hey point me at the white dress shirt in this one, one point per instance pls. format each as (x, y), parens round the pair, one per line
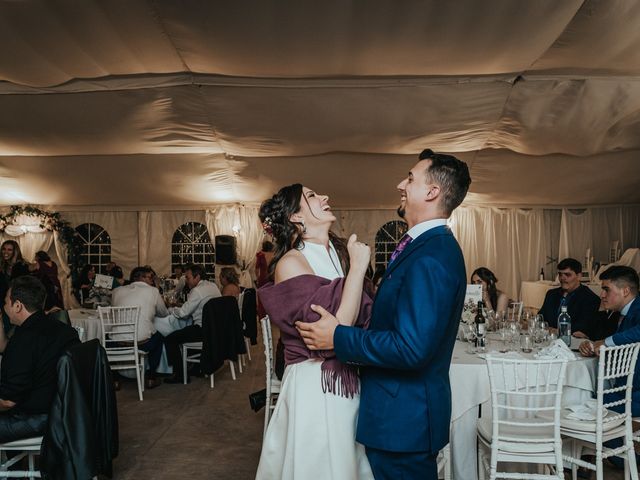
(143, 295)
(417, 230)
(198, 296)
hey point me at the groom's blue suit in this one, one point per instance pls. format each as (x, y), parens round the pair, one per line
(405, 403)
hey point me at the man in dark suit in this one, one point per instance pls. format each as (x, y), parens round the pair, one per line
(405, 402)
(582, 304)
(620, 294)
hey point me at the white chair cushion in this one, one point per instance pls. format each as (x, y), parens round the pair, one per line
(585, 425)
(26, 442)
(485, 430)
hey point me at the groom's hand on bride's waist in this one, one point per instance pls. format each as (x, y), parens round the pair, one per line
(318, 335)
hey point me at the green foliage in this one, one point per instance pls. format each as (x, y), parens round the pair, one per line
(50, 221)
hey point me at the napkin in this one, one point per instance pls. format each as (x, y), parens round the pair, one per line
(558, 349)
(586, 411)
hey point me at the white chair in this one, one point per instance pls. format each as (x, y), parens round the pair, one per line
(120, 340)
(272, 382)
(614, 251)
(614, 363)
(247, 343)
(196, 348)
(29, 447)
(444, 463)
(522, 392)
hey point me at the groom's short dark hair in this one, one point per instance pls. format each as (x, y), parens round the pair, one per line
(451, 174)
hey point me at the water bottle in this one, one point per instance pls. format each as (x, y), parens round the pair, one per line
(564, 326)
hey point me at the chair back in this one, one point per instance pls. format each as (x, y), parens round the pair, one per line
(615, 374)
(268, 348)
(526, 401)
(249, 311)
(514, 312)
(221, 332)
(119, 325)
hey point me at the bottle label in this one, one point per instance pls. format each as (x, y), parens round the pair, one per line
(481, 329)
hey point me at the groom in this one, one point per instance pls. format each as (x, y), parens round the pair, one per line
(405, 404)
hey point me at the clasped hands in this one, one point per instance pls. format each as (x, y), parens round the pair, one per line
(590, 349)
(318, 335)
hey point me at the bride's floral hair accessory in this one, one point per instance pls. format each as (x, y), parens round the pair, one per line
(267, 225)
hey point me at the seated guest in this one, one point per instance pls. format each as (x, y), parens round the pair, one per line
(29, 361)
(141, 292)
(619, 293)
(201, 291)
(85, 282)
(118, 277)
(178, 274)
(46, 271)
(12, 265)
(493, 298)
(230, 282)
(582, 304)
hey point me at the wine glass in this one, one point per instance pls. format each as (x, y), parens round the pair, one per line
(470, 335)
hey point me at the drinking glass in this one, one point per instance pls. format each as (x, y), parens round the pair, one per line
(542, 332)
(470, 335)
(526, 344)
(513, 334)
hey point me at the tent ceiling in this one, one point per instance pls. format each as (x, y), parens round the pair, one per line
(197, 102)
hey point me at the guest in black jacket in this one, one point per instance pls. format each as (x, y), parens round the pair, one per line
(582, 304)
(28, 376)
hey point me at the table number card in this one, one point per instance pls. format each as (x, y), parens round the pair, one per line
(103, 281)
(471, 299)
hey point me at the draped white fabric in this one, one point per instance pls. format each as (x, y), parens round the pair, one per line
(514, 243)
(596, 228)
(122, 228)
(510, 242)
(241, 221)
(155, 231)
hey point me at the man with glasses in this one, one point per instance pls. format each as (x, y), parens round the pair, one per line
(582, 304)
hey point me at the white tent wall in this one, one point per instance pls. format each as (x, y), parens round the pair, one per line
(122, 228)
(513, 242)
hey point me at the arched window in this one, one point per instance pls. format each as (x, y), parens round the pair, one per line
(191, 243)
(96, 245)
(386, 240)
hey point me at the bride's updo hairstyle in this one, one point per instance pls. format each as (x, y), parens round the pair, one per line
(275, 216)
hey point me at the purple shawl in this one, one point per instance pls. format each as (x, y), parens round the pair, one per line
(290, 301)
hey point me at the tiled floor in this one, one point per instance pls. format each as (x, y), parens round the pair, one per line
(193, 432)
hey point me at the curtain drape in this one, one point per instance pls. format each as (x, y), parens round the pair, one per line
(509, 242)
(596, 228)
(241, 221)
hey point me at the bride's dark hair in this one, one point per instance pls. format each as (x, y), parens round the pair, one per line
(275, 215)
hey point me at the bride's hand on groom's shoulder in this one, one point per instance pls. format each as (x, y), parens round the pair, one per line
(359, 253)
(318, 335)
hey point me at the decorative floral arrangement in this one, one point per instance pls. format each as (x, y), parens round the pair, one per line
(469, 311)
(50, 221)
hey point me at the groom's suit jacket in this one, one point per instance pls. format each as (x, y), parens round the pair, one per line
(405, 402)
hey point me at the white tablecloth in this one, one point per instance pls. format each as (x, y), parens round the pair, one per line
(532, 293)
(88, 320)
(470, 389)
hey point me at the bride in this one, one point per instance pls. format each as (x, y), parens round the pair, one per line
(312, 431)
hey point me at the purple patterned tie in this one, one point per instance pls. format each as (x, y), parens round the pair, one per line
(404, 241)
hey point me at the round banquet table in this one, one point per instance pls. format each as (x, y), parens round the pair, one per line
(87, 319)
(470, 390)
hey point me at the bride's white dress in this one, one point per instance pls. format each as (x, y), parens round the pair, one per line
(312, 434)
